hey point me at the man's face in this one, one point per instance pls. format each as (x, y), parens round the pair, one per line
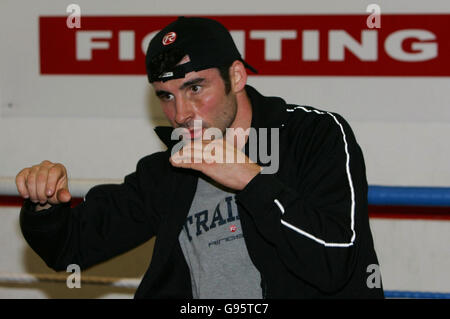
(198, 96)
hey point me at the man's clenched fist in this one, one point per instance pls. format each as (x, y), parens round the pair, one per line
(45, 183)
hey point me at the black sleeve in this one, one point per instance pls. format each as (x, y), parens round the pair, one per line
(314, 224)
(111, 220)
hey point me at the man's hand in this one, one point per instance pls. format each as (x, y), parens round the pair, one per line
(45, 183)
(219, 160)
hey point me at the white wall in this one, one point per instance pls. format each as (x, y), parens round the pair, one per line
(102, 125)
(413, 254)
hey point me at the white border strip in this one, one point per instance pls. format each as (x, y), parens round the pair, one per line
(352, 192)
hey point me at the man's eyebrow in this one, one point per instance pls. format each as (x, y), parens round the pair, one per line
(160, 93)
(191, 82)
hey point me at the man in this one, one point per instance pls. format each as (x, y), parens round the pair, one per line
(224, 229)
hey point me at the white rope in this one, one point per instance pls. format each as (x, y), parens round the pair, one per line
(131, 283)
(77, 187)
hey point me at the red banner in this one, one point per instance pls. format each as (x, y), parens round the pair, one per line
(283, 45)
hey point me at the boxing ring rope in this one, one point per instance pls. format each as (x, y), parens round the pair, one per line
(397, 294)
(133, 283)
(377, 195)
(409, 196)
(16, 278)
(78, 187)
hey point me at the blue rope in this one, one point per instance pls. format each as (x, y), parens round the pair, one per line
(416, 294)
(409, 196)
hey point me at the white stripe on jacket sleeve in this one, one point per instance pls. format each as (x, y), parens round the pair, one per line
(352, 192)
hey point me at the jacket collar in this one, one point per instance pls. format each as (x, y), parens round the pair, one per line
(267, 112)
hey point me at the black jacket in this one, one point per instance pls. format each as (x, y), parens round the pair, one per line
(306, 227)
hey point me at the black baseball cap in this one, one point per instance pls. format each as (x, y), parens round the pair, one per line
(206, 41)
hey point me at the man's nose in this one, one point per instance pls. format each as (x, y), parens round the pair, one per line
(184, 112)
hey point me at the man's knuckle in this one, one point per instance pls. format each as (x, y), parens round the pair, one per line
(53, 169)
(30, 182)
(56, 171)
(20, 177)
(58, 167)
(41, 177)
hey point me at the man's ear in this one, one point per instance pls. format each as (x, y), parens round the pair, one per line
(238, 76)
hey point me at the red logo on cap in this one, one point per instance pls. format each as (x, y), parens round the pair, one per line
(169, 38)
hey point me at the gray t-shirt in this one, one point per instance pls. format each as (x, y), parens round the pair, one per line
(214, 247)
